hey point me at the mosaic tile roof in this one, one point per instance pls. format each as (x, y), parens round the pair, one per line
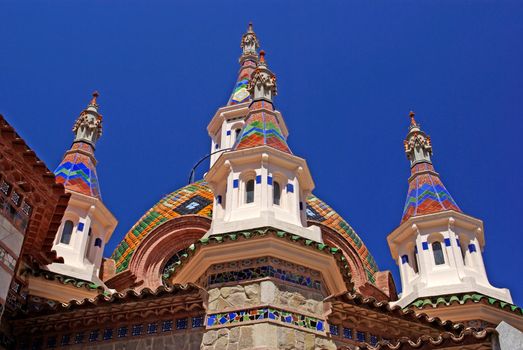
(197, 199)
(194, 199)
(262, 128)
(77, 171)
(426, 193)
(239, 92)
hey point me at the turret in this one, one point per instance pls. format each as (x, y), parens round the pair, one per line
(87, 224)
(228, 121)
(437, 247)
(260, 182)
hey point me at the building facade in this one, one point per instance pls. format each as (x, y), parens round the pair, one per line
(249, 258)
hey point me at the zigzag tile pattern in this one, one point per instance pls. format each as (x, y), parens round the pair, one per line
(319, 212)
(177, 203)
(426, 193)
(77, 171)
(262, 128)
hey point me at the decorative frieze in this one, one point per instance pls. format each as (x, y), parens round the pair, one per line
(264, 267)
(264, 314)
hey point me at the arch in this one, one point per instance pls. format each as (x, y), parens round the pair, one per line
(334, 239)
(67, 232)
(158, 247)
(236, 130)
(245, 178)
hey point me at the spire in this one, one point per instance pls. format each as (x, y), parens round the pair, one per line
(248, 60)
(426, 193)
(262, 126)
(77, 171)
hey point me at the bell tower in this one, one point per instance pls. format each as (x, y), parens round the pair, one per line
(437, 247)
(87, 224)
(260, 182)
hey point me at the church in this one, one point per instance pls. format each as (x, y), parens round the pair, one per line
(245, 258)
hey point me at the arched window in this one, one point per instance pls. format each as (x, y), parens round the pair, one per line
(249, 191)
(67, 232)
(276, 193)
(437, 250)
(237, 133)
(98, 242)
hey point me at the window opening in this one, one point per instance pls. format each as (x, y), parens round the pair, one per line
(249, 191)
(67, 232)
(437, 250)
(276, 193)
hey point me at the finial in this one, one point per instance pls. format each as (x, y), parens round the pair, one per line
(249, 43)
(262, 56)
(412, 120)
(93, 100)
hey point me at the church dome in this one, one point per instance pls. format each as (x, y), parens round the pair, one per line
(196, 199)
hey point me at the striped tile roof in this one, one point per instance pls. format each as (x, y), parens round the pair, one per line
(197, 199)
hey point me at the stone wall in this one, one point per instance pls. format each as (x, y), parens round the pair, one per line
(263, 336)
(265, 333)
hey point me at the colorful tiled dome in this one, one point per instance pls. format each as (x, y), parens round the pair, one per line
(197, 199)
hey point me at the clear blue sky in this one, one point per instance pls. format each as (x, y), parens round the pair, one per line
(348, 74)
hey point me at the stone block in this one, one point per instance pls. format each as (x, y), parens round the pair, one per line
(234, 335)
(268, 292)
(246, 337)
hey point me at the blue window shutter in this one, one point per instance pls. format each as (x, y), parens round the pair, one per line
(235, 183)
(258, 179)
(447, 242)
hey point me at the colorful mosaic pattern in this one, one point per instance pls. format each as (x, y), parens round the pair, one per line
(77, 171)
(165, 210)
(262, 128)
(318, 211)
(426, 194)
(240, 93)
(194, 199)
(265, 313)
(261, 272)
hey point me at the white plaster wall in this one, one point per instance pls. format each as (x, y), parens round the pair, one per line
(456, 275)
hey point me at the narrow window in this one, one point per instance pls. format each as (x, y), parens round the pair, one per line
(237, 133)
(437, 250)
(98, 242)
(249, 191)
(415, 262)
(67, 232)
(276, 193)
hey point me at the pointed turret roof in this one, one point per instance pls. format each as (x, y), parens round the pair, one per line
(77, 171)
(262, 126)
(427, 194)
(248, 61)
